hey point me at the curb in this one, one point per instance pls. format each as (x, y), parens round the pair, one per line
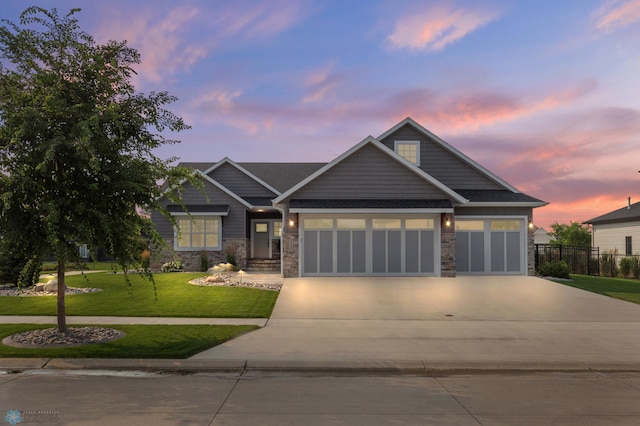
(249, 367)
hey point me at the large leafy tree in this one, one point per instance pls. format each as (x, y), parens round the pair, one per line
(574, 234)
(77, 144)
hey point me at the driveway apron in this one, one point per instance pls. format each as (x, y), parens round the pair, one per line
(468, 319)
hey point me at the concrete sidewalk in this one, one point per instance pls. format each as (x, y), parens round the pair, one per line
(77, 320)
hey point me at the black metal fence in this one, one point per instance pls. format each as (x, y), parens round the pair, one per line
(581, 260)
(589, 260)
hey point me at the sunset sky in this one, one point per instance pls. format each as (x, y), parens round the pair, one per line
(545, 93)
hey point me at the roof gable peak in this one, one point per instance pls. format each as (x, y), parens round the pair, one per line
(445, 145)
(370, 140)
(227, 160)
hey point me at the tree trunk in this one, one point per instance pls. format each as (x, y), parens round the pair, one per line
(62, 319)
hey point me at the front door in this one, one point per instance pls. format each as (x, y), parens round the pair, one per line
(261, 240)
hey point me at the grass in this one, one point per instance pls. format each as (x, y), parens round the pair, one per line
(619, 288)
(175, 298)
(141, 341)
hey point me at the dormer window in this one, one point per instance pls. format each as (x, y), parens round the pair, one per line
(409, 150)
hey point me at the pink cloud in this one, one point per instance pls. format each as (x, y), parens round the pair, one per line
(617, 14)
(252, 19)
(435, 28)
(175, 39)
(469, 111)
(321, 85)
(160, 38)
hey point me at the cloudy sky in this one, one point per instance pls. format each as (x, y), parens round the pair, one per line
(545, 93)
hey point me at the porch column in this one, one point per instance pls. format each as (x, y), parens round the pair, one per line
(447, 245)
(290, 246)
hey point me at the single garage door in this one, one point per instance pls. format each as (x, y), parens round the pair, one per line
(490, 246)
(389, 245)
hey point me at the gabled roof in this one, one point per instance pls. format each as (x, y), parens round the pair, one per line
(224, 189)
(626, 214)
(282, 176)
(227, 160)
(451, 149)
(370, 140)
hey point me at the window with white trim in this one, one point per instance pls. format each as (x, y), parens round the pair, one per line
(409, 150)
(198, 233)
(277, 229)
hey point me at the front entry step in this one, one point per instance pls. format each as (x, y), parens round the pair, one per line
(263, 265)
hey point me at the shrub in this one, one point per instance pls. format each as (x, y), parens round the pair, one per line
(204, 262)
(174, 266)
(608, 264)
(16, 267)
(635, 267)
(625, 266)
(231, 256)
(145, 259)
(556, 268)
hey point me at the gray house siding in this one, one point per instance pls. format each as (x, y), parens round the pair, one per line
(233, 225)
(369, 174)
(440, 163)
(238, 182)
(494, 211)
(233, 230)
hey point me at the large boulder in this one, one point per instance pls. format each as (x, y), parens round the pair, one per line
(52, 286)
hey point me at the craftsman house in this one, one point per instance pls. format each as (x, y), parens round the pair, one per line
(404, 203)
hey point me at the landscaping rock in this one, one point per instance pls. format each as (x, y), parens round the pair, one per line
(52, 286)
(39, 287)
(214, 279)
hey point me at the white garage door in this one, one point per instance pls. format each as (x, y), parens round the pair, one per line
(490, 246)
(375, 245)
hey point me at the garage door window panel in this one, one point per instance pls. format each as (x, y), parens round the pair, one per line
(311, 252)
(427, 244)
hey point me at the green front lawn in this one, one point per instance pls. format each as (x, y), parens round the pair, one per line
(619, 288)
(141, 341)
(175, 298)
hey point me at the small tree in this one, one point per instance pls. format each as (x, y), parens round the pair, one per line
(574, 234)
(76, 144)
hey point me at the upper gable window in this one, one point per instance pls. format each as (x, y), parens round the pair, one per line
(410, 150)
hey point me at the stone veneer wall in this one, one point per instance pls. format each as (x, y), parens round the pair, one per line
(531, 248)
(290, 256)
(191, 259)
(290, 246)
(448, 254)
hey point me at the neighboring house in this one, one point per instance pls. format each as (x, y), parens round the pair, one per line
(618, 230)
(541, 236)
(404, 203)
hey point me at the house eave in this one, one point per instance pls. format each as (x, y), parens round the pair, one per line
(504, 204)
(371, 211)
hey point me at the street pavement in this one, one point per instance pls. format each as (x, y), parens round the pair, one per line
(116, 398)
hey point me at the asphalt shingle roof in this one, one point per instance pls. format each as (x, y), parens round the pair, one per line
(282, 176)
(624, 214)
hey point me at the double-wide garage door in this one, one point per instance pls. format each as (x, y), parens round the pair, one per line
(490, 246)
(373, 245)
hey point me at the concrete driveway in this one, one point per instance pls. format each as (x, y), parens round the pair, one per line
(496, 320)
